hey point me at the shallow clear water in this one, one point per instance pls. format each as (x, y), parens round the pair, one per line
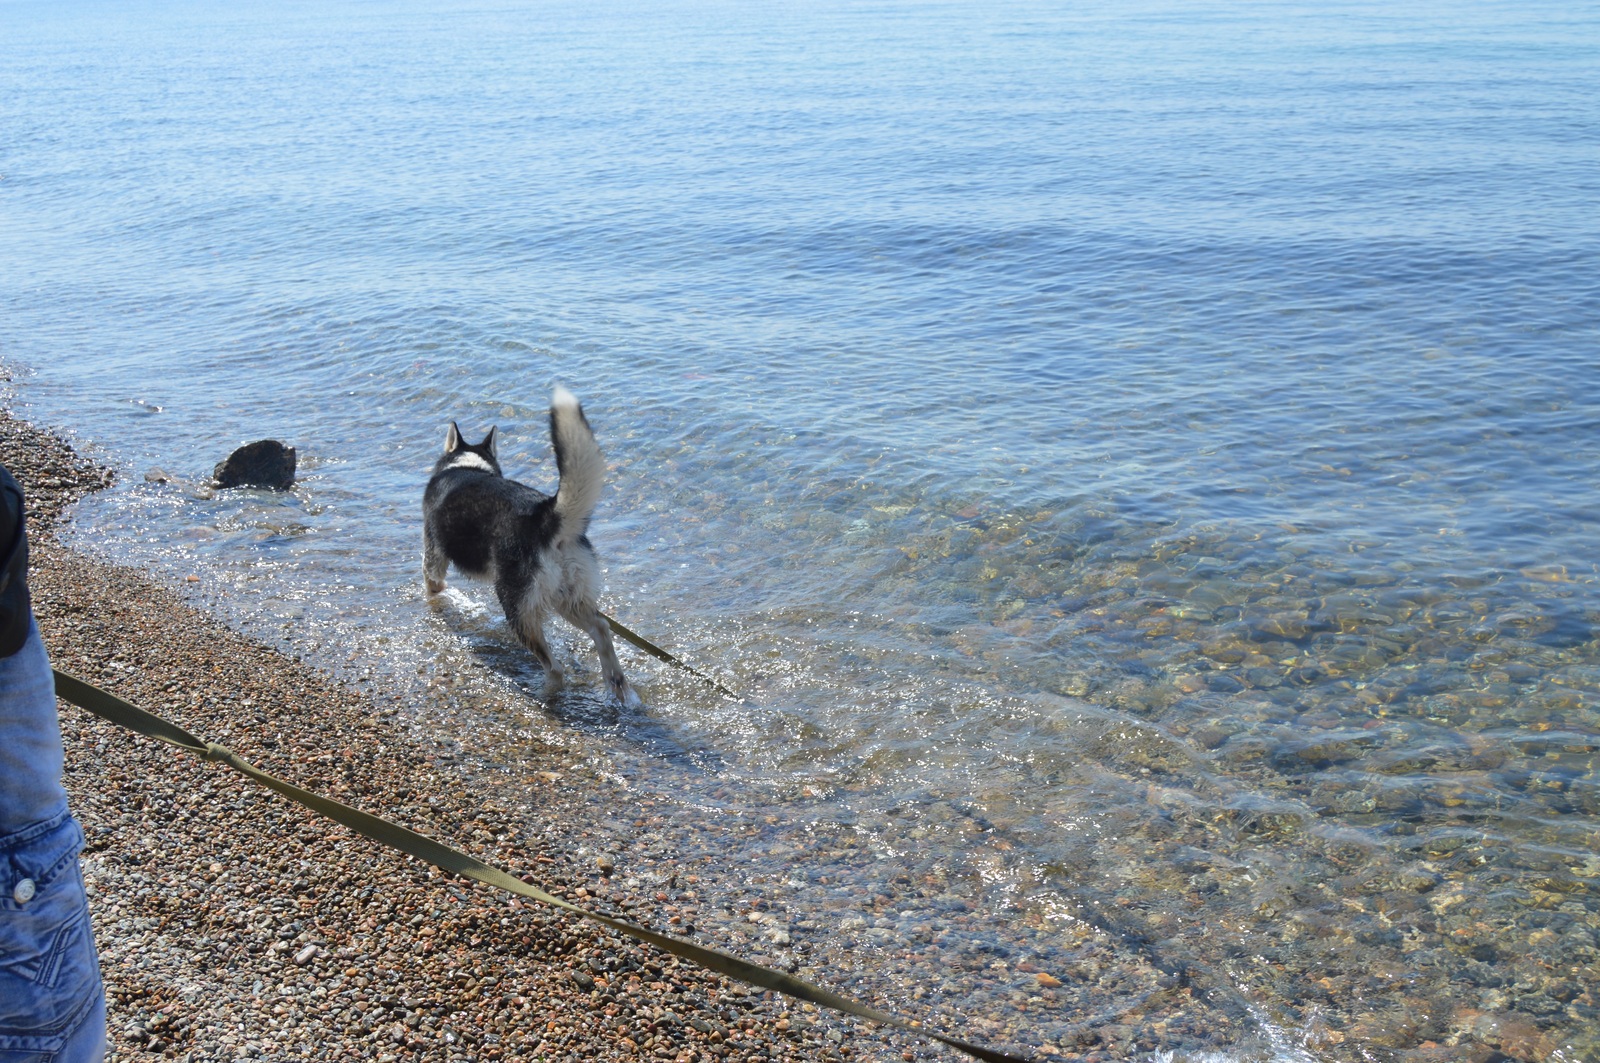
(1139, 465)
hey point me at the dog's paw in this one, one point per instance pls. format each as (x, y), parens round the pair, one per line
(435, 586)
(553, 682)
(628, 696)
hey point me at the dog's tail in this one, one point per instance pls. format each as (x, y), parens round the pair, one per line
(579, 461)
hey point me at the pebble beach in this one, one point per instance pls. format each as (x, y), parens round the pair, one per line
(233, 925)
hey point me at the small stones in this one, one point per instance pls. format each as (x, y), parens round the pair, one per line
(1331, 747)
(1263, 678)
(1225, 652)
(1293, 626)
(1419, 879)
(1546, 573)
(1223, 683)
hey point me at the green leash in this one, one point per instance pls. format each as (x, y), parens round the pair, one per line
(660, 654)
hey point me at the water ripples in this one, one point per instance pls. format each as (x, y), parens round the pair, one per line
(1146, 496)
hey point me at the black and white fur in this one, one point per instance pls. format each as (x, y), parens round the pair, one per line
(532, 547)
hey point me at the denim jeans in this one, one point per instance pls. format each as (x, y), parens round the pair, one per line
(52, 1002)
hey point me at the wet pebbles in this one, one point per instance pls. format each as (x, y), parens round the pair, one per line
(1320, 808)
(233, 925)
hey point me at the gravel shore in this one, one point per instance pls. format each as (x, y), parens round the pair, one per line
(235, 925)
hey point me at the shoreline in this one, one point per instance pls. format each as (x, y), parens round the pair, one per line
(233, 924)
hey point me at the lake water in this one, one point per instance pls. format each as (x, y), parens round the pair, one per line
(1138, 461)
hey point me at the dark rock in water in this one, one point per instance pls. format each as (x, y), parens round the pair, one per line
(264, 463)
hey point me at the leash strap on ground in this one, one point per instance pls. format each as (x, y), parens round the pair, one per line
(629, 635)
(112, 708)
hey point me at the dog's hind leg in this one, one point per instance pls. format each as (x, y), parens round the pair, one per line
(434, 564)
(554, 678)
(529, 626)
(587, 618)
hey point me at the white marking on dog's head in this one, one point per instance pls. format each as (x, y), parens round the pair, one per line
(468, 460)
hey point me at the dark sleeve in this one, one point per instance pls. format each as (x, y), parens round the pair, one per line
(14, 604)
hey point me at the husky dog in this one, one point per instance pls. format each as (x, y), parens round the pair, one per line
(530, 546)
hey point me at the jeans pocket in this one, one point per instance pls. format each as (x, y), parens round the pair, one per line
(49, 970)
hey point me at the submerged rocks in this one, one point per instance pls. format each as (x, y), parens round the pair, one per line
(264, 463)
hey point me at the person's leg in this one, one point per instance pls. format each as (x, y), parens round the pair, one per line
(52, 1002)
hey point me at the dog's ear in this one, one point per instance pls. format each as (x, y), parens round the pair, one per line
(452, 439)
(489, 441)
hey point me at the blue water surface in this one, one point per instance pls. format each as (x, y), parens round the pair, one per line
(1139, 461)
